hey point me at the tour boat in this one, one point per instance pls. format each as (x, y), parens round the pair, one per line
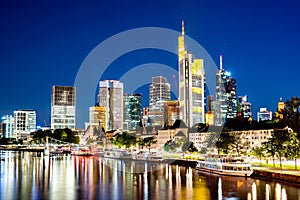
(117, 154)
(225, 165)
(145, 156)
(82, 151)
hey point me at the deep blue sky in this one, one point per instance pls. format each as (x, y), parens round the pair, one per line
(43, 43)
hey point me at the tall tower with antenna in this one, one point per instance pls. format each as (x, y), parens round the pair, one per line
(191, 85)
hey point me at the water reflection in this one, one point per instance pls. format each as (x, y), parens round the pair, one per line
(25, 175)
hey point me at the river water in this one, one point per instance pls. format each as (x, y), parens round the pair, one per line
(28, 175)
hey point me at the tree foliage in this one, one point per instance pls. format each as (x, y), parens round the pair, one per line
(66, 135)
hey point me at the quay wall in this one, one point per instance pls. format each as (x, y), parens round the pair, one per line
(281, 176)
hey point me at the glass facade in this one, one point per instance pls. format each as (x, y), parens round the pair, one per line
(111, 97)
(63, 107)
(7, 126)
(132, 110)
(159, 92)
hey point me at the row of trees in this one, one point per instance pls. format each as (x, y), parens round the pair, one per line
(182, 145)
(66, 135)
(127, 140)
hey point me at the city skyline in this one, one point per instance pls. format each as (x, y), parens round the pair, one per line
(44, 44)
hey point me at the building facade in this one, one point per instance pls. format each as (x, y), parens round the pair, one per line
(159, 93)
(264, 114)
(132, 110)
(7, 126)
(191, 85)
(245, 106)
(111, 96)
(24, 123)
(97, 116)
(63, 107)
(171, 112)
(226, 104)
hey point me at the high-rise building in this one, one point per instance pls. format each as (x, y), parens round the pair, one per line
(132, 110)
(191, 85)
(63, 106)
(210, 116)
(159, 93)
(226, 105)
(24, 123)
(245, 106)
(98, 116)
(264, 114)
(7, 126)
(280, 109)
(171, 112)
(111, 96)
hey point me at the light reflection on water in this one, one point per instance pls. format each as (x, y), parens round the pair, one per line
(25, 175)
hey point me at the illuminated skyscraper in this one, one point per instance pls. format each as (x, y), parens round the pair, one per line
(226, 105)
(24, 123)
(7, 126)
(171, 112)
(63, 106)
(132, 110)
(245, 106)
(111, 96)
(264, 114)
(159, 93)
(191, 85)
(98, 117)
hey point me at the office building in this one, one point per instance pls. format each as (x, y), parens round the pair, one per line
(63, 106)
(97, 117)
(111, 96)
(132, 110)
(226, 104)
(264, 114)
(24, 123)
(245, 106)
(159, 93)
(7, 126)
(191, 85)
(171, 112)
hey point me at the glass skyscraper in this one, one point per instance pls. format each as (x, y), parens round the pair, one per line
(226, 104)
(159, 93)
(63, 107)
(111, 96)
(132, 110)
(191, 85)
(24, 123)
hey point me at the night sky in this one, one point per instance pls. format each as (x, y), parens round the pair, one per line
(44, 43)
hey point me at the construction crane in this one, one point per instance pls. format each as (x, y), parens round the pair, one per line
(175, 82)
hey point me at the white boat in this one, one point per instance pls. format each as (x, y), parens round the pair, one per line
(117, 154)
(225, 165)
(82, 151)
(145, 156)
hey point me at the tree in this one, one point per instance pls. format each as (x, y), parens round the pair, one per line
(259, 152)
(170, 145)
(124, 140)
(293, 148)
(148, 141)
(224, 141)
(276, 144)
(189, 146)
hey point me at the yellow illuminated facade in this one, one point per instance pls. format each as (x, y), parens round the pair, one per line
(98, 116)
(191, 85)
(280, 108)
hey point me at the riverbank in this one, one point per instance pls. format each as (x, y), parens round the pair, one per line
(284, 175)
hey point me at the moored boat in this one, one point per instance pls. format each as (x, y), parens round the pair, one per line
(82, 151)
(145, 156)
(225, 165)
(117, 154)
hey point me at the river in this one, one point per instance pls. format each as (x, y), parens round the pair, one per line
(29, 175)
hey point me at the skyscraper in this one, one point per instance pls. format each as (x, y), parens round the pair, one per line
(7, 126)
(226, 105)
(171, 112)
(264, 114)
(24, 123)
(191, 85)
(245, 106)
(132, 110)
(63, 107)
(98, 117)
(111, 96)
(159, 93)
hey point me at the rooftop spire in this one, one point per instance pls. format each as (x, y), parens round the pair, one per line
(221, 62)
(182, 27)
